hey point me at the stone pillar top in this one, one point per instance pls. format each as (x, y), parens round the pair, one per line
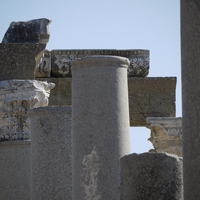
(98, 61)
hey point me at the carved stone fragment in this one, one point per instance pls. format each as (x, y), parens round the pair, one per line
(62, 60)
(33, 31)
(166, 134)
(44, 68)
(16, 98)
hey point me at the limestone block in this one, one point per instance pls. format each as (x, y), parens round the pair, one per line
(51, 158)
(15, 170)
(151, 97)
(33, 31)
(151, 176)
(19, 61)
(166, 134)
(16, 98)
(44, 68)
(148, 97)
(62, 60)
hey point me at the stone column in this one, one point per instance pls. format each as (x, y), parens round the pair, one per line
(100, 124)
(15, 170)
(51, 153)
(17, 97)
(190, 51)
(166, 134)
(151, 176)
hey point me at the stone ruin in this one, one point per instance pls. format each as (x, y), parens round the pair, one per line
(65, 118)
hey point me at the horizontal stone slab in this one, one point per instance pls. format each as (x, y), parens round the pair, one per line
(148, 97)
(61, 61)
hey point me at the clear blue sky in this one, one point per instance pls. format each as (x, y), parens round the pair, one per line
(110, 24)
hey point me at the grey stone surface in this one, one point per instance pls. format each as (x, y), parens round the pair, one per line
(33, 31)
(148, 97)
(51, 153)
(15, 170)
(44, 68)
(19, 61)
(100, 125)
(190, 51)
(151, 176)
(151, 97)
(62, 60)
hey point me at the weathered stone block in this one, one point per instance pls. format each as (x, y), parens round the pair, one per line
(61, 60)
(148, 97)
(151, 97)
(151, 176)
(33, 31)
(19, 61)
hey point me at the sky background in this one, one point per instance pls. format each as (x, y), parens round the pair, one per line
(110, 24)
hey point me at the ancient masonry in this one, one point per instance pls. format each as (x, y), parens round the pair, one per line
(65, 118)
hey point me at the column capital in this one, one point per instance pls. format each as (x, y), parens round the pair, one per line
(166, 134)
(17, 97)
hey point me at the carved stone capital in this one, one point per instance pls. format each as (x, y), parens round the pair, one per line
(17, 97)
(166, 134)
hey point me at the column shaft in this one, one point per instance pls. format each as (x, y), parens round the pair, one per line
(151, 176)
(190, 52)
(51, 153)
(100, 124)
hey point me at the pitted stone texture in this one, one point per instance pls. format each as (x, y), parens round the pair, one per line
(100, 125)
(151, 97)
(15, 170)
(16, 98)
(19, 61)
(151, 176)
(190, 60)
(44, 68)
(166, 134)
(62, 93)
(51, 153)
(62, 60)
(33, 31)
(148, 97)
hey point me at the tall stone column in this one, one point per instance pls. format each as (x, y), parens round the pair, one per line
(100, 125)
(17, 97)
(151, 176)
(190, 52)
(51, 153)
